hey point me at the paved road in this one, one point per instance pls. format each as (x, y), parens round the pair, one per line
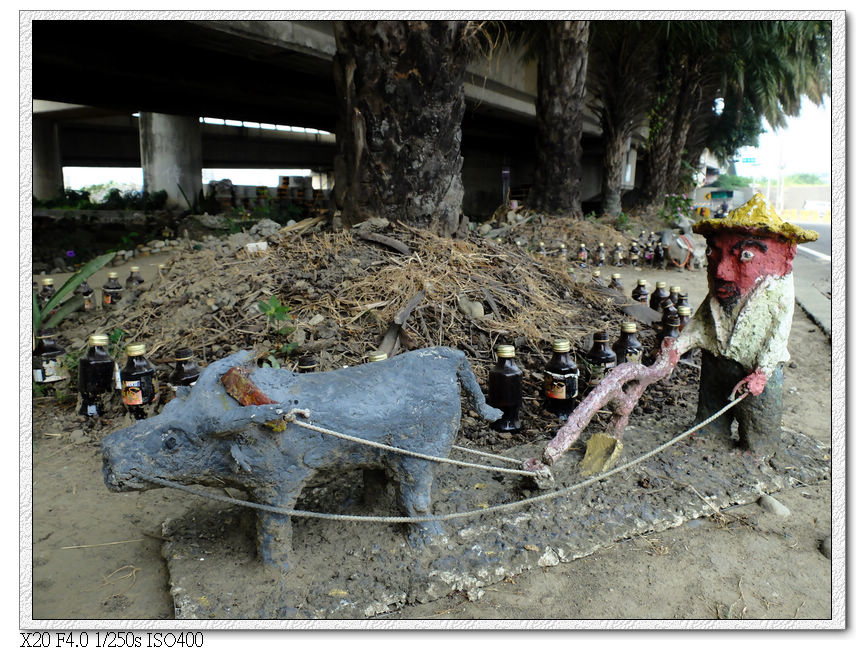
(822, 245)
(812, 273)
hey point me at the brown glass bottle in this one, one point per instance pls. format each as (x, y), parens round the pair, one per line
(560, 381)
(95, 376)
(86, 292)
(46, 292)
(186, 372)
(667, 307)
(137, 381)
(596, 279)
(616, 283)
(599, 360)
(627, 348)
(684, 316)
(112, 292)
(669, 328)
(48, 359)
(506, 390)
(683, 300)
(658, 295)
(134, 280)
(674, 295)
(307, 363)
(640, 293)
(601, 254)
(583, 256)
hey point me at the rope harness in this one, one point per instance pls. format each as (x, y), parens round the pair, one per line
(444, 517)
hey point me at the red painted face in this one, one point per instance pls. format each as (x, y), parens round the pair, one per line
(738, 260)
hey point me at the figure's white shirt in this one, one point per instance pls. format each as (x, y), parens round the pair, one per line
(755, 334)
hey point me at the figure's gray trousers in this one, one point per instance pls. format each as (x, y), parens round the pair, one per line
(759, 416)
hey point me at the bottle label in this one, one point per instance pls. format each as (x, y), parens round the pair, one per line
(633, 355)
(117, 385)
(560, 386)
(52, 371)
(91, 409)
(106, 298)
(597, 372)
(88, 302)
(132, 395)
(38, 375)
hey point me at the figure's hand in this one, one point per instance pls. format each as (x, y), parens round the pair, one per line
(754, 383)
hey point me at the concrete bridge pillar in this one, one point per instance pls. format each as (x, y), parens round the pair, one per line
(47, 166)
(171, 157)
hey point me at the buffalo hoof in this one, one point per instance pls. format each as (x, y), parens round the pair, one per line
(429, 534)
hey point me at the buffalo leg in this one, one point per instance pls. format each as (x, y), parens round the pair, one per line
(415, 486)
(274, 530)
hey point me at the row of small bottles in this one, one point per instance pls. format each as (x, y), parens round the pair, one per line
(562, 378)
(112, 290)
(99, 374)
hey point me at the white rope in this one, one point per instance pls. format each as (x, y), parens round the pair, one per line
(505, 459)
(452, 515)
(290, 417)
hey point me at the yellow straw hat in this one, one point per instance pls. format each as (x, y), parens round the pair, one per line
(757, 217)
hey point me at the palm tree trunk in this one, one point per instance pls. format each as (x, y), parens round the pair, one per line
(688, 102)
(559, 108)
(400, 85)
(615, 147)
(661, 125)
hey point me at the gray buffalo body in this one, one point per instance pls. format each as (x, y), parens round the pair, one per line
(411, 401)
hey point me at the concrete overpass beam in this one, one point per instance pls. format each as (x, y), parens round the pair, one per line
(171, 157)
(47, 165)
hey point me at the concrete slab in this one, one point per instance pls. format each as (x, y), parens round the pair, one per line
(359, 570)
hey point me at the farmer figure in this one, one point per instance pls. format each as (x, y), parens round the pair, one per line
(742, 326)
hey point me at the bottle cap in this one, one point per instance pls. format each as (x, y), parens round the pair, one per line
(376, 356)
(661, 285)
(135, 349)
(98, 339)
(629, 328)
(47, 282)
(600, 337)
(582, 245)
(160, 266)
(641, 282)
(616, 276)
(182, 354)
(307, 361)
(112, 274)
(676, 289)
(596, 274)
(562, 245)
(600, 243)
(134, 269)
(561, 345)
(684, 311)
(618, 243)
(506, 351)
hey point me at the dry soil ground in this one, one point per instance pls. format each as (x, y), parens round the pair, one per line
(96, 555)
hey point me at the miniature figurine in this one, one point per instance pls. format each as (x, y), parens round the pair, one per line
(742, 327)
(583, 256)
(601, 254)
(237, 427)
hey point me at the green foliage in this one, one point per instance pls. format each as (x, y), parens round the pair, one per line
(675, 206)
(276, 312)
(114, 200)
(803, 179)
(728, 181)
(591, 216)
(40, 315)
(623, 222)
(115, 341)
